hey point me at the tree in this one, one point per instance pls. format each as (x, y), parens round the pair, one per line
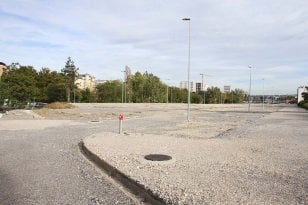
(87, 96)
(53, 81)
(138, 84)
(153, 90)
(305, 96)
(20, 83)
(212, 95)
(70, 72)
(236, 96)
(196, 98)
(178, 95)
(56, 92)
(109, 91)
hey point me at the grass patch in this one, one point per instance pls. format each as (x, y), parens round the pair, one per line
(59, 105)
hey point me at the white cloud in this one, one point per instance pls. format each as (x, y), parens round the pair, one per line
(104, 36)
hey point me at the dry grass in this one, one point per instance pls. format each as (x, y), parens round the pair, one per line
(59, 105)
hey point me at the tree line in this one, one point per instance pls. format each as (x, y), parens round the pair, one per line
(304, 102)
(20, 85)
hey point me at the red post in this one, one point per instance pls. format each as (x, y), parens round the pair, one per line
(121, 118)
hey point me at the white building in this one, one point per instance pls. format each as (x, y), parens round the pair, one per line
(227, 88)
(85, 81)
(300, 91)
(101, 81)
(183, 85)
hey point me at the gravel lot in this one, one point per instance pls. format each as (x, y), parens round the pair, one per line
(221, 156)
(224, 155)
(40, 163)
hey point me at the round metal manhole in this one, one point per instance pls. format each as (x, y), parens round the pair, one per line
(157, 157)
(94, 121)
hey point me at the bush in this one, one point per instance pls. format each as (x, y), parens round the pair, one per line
(305, 105)
(59, 105)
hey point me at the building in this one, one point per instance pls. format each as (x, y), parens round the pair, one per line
(183, 85)
(300, 91)
(100, 81)
(198, 87)
(85, 81)
(3, 68)
(227, 88)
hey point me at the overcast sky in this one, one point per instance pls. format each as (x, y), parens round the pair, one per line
(102, 36)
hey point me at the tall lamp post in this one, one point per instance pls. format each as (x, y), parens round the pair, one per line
(249, 88)
(188, 68)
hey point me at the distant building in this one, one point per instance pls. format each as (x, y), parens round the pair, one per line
(300, 91)
(85, 81)
(227, 88)
(3, 68)
(198, 87)
(183, 85)
(100, 81)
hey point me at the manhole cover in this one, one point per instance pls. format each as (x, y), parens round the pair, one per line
(94, 121)
(157, 157)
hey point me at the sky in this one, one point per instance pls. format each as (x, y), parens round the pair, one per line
(103, 36)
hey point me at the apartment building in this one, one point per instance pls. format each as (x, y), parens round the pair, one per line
(2, 68)
(85, 81)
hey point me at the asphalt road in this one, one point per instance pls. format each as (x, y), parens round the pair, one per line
(46, 167)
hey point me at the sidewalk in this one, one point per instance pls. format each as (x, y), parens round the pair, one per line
(263, 163)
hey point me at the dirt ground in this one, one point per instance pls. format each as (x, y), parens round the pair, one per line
(223, 155)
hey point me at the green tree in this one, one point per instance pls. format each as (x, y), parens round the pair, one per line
(20, 83)
(138, 85)
(179, 95)
(154, 90)
(4, 94)
(236, 96)
(213, 95)
(70, 72)
(196, 98)
(47, 79)
(56, 92)
(109, 91)
(87, 96)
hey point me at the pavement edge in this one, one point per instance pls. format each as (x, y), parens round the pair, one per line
(146, 196)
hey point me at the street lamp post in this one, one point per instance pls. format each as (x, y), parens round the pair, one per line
(188, 68)
(249, 88)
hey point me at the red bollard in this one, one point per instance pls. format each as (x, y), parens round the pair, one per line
(121, 118)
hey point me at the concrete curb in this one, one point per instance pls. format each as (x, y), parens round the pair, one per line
(146, 196)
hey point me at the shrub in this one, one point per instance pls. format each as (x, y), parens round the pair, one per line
(59, 105)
